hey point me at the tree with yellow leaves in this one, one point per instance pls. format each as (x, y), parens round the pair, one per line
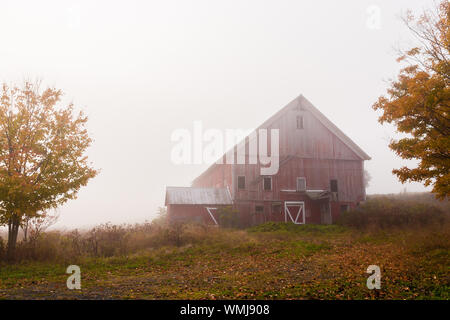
(42, 160)
(418, 101)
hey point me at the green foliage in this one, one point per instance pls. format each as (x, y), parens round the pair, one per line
(42, 154)
(42, 150)
(295, 228)
(228, 217)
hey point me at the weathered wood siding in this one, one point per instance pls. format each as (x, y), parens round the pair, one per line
(313, 141)
(315, 152)
(190, 213)
(318, 173)
(218, 176)
(312, 152)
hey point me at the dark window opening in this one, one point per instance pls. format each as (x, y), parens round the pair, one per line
(259, 209)
(345, 208)
(267, 183)
(276, 208)
(299, 122)
(241, 182)
(301, 184)
(333, 185)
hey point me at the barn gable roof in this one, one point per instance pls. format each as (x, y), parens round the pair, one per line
(307, 105)
(190, 195)
(333, 128)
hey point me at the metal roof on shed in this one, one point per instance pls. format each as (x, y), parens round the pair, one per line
(189, 195)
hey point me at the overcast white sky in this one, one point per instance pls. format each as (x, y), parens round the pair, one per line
(141, 69)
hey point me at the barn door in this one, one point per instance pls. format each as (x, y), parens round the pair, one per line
(294, 211)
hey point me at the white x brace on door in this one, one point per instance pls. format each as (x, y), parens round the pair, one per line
(211, 214)
(295, 210)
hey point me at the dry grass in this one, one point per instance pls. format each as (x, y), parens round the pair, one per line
(388, 212)
(271, 261)
(109, 240)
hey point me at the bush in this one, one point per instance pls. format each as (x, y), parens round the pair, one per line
(107, 240)
(228, 217)
(385, 212)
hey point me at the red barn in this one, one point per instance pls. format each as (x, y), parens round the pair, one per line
(320, 174)
(196, 204)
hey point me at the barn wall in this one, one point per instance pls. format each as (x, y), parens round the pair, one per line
(318, 154)
(190, 213)
(318, 174)
(250, 217)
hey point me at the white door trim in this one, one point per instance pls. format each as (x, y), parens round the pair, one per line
(301, 209)
(210, 213)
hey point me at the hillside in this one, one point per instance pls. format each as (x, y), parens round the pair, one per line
(271, 261)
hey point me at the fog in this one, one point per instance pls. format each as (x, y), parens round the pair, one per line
(142, 69)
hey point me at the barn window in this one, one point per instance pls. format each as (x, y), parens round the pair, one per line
(241, 182)
(259, 209)
(276, 207)
(299, 122)
(333, 185)
(301, 184)
(345, 208)
(267, 183)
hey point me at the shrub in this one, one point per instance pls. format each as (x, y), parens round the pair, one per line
(107, 240)
(296, 228)
(229, 217)
(385, 212)
(174, 233)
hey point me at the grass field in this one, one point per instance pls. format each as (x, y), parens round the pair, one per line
(271, 261)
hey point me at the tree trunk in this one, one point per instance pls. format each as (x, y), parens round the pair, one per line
(25, 230)
(13, 230)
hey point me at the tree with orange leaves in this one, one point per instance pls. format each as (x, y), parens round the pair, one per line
(42, 160)
(418, 101)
